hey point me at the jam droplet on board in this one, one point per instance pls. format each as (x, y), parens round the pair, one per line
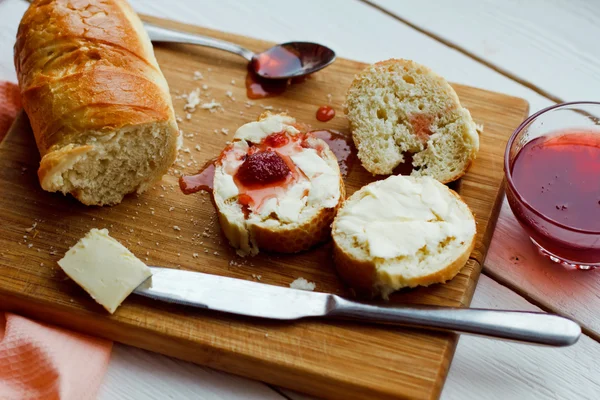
(341, 145)
(325, 113)
(203, 180)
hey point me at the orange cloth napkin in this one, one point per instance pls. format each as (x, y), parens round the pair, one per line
(38, 361)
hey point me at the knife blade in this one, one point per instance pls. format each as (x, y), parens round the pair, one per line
(254, 299)
(231, 295)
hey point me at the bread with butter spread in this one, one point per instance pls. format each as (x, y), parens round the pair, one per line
(96, 98)
(276, 188)
(401, 232)
(399, 107)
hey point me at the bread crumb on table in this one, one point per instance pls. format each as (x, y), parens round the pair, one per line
(303, 284)
(175, 227)
(193, 99)
(211, 105)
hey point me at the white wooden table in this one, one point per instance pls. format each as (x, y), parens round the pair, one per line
(544, 51)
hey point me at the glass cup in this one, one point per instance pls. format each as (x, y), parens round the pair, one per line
(564, 244)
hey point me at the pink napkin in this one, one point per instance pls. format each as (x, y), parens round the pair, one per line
(39, 361)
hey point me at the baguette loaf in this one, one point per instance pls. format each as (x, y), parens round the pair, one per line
(397, 107)
(276, 188)
(401, 232)
(97, 101)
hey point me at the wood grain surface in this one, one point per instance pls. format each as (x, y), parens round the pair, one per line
(164, 227)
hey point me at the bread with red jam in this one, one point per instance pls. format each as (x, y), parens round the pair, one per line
(276, 188)
(399, 107)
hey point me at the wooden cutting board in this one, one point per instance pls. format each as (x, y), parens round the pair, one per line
(344, 360)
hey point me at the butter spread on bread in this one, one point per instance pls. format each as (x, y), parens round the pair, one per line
(96, 98)
(288, 204)
(402, 232)
(105, 268)
(399, 107)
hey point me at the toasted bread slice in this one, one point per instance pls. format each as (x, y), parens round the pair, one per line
(261, 207)
(397, 107)
(401, 232)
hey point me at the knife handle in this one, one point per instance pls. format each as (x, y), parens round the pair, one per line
(531, 327)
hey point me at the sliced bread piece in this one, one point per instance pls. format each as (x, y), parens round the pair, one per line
(401, 232)
(276, 188)
(397, 107)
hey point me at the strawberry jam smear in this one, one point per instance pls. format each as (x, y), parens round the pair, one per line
(267, 170)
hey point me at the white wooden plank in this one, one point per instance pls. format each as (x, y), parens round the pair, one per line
(495, 370)
(10, 15)
(138, 374)
(552, 44)
(513, 259)
(487, 369)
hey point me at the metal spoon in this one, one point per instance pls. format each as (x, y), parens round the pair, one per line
(284, 61)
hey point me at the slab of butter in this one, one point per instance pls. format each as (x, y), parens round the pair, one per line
(105, 268)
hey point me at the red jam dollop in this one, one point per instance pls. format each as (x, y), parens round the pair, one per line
(262, 168)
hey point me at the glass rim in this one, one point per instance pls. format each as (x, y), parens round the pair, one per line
(508, 173)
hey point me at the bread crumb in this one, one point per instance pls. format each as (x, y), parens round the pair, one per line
(205, 87)
(188, 116)
(171, 209)
(266, 335)
(225, 131)
(193, 99)
(216, 253)
(175, 227)
(229, 94)
(479, 128)
(198, 148)
(210, 106)
(30, 245)
(303, 284)
(233, 81)
(198, 75)
(329, 98)
(195, 255)
(180, 140)
(178, 119)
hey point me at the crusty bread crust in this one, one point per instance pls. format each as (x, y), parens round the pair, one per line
(285, 238)
(361, 275)
(86, 70)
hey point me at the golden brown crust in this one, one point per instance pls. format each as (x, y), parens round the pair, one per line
(87, 66)
(358, 275)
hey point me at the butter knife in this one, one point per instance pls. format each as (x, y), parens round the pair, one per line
(260, 300)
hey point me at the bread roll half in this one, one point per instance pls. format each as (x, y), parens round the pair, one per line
(97, 101)
(397, 107)
(401, 232)
(276, 188)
